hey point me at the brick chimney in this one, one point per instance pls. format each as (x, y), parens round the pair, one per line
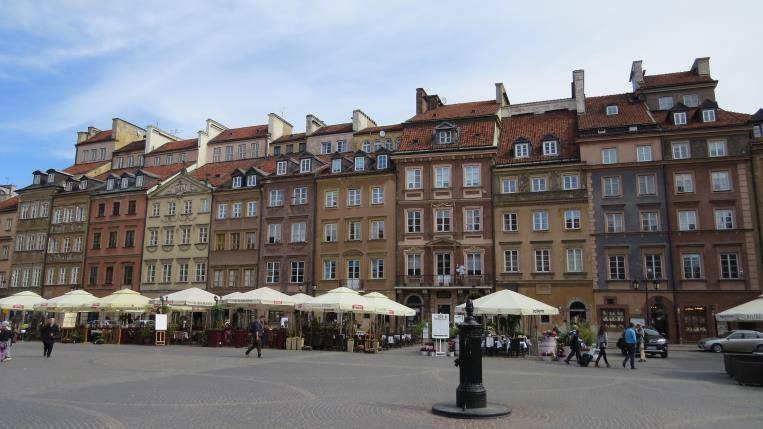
(637, 75)
(578, 90)
(701, 66)
(425, 103)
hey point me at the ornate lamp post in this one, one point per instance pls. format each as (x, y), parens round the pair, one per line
(471, 396)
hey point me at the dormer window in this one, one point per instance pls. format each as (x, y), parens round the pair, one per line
(251, 180)
(522, 150)
(110, 184)
(708, 115)
(68, 186)
(550, 148)
(381, 162)
(125, 182)
(360, 163)
(691, 100)
(51, 177)
(679, 118)
(139, 180)
(37, 179)
(281, 168)
(336, 165)
(83, 185)
(445, 136)
(304, 165)
(237, 182)
(612, 110)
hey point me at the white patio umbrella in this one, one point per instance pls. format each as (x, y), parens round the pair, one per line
(340, 300)
(751, 311)
(388, 307)
(121, 300)
(299, 299)
(22, 301)
(191, 297)
(262, 298)
(70, 301)
(507, 302)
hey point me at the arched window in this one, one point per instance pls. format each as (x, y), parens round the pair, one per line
(414, 302)
(577, 312)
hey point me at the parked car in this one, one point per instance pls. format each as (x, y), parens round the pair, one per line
(737, 341)
(655, 343)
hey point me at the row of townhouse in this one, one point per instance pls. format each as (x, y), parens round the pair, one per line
(638, 205)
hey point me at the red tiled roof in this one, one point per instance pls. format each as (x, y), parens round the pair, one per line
(459, 110)
(534, 128)
(10, 204)
(178, 145)
(161, 171)
(369, 130)
(243, 133)
(472, 133)
(132, 147)
(333, 129)
(217, 173)
(101, 136)
(672, 79)
(723, 118)
(631, 112)
(84, 168)
(289, 138)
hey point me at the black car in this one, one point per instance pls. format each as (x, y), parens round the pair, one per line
(655, 343)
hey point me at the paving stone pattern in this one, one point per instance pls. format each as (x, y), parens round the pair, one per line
(89, 386)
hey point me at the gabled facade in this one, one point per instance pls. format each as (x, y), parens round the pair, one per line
(231, 144)
(8, 220)
(95, 145)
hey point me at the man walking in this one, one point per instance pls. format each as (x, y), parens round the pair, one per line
(48, 334)
(6, 339)
(630, 345)
(641, 338)
(256, 328)
(574, 342)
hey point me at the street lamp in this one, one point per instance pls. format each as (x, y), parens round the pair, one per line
(314, 288)
(637, 284)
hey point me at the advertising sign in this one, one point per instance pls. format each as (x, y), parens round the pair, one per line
(440, 326)
(160, 323)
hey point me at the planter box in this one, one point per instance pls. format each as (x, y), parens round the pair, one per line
(350, 345)
(214, 338)
(299, 342)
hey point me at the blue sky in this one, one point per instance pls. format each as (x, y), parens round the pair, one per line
(69, 64)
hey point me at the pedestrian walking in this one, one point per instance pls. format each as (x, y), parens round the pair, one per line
(256, 328)
(6, 340)
(630, 345)
(48, 334)
(574, 342)
(601, 343)
(641, 337)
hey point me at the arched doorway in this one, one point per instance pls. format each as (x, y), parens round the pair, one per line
(414, 302)
(577, 312)
(659, 318)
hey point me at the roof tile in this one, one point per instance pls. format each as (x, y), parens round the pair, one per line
(672, 79)
(10, 204)
(217, 173)
(84, 168)
(176, 145)
(459, 110)
(132, 147)
(333, 129)
(535, 128)
(243, 133)
(472, 133)
(631, 112)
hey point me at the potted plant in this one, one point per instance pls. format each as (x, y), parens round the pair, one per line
(145, 335)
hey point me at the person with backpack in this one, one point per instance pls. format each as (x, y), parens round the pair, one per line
(6, 339)
(573, 340)
(256, 329)
(601, 343)
(630, 345)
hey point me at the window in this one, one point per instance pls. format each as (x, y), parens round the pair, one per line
(511, 261)
(233, 278)
(110, 184)
(353, 231)
(109, 276)
(442, 217)
(612, 110)
(171, 208)
(112, 240)
(643, 153)
(691, 266)
(274, 233)
(204, 206)
(509, 185)
(360, 163)
(570, 181)
(687, 220)
(281, 168)
(332, 198)
(241, 151)
(724, 219)
(78, 244)
(329, 232)
(167, 273)
(615, 222)
(228, 153)
(413, 178)
(298, 231)
(326, 147)
(222, 211)
(413, 264)
(679, 118)
(550, 148)
(251, 240)
(251, 208)
(366, 146)
(522, 150)
(297, 272)
(129, 238)
(473, 220)
(341, 146)
(276, 198)
(131, 208)
(329, 270)
(681, 150)
(377, 268)
(757, 131)
(169, 237)
(336, 165)
(720, 181)
(185, 235)
(647, 185)
(377, 230)
(277, 150)
(153, 237)
(510, 222)
(154, 209)
(300, 195)
(251, 180)
(716, 148)
(729, 266)
(377, 195)
(58, 216)
(539, 184)
(304, 165)
(236, 182)
(474, 264)
(650, 221)
(353, 197)
(219, 279)
(150, 273)
(201, 272)
(413, 221)
(684, 183)
(572, 219)
(691, 100)
(574, 260)
(303, 147)
(609, 156)
(665, 103)
(273, 272)
(652, 266)
(353, 273)
(471, 176)
(708, 115)
(183, 273)
(445, 136)
(215, 155)
(617, 267)
(540, 221)
(235, 210)
(442, 177)
(203, 234)
(124, 183)
(612, 186)
(542, 261)
(74, 275)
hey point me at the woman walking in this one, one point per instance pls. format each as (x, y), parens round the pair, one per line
(601, 341)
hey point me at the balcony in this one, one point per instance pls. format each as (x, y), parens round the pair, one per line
(445, 281)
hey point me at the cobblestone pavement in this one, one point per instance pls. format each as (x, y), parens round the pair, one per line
(84, 386)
